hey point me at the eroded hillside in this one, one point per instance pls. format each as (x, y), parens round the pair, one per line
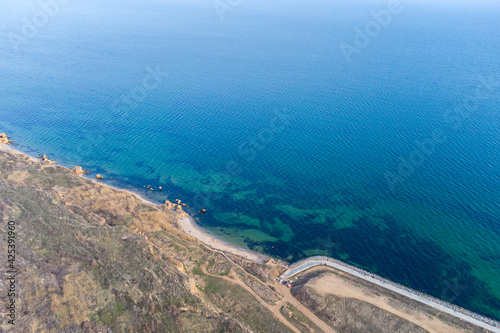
(94, 259)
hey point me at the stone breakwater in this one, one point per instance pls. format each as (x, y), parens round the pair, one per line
(320, 260)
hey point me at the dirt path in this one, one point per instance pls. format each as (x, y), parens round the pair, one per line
(287, 296)
(284, 294)
(336, 285)
(234, 278)
(425, 299)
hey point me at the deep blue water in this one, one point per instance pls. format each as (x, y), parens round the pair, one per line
(259, 119)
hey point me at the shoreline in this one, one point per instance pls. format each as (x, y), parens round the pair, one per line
(186, 223)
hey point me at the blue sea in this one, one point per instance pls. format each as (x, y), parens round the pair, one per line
(362, 130)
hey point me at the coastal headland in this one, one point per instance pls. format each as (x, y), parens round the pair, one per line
(91, 257)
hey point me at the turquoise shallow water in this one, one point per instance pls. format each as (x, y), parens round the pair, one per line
(261, 120)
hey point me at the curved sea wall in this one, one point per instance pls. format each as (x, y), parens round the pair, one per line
(321, 260)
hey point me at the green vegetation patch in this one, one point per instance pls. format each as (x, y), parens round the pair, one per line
(237, 302)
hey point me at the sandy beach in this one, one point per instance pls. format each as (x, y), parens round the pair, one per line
(189, 226)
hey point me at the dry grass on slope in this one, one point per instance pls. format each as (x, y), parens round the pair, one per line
(103, 199)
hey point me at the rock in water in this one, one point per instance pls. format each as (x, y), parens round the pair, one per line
(99, 176)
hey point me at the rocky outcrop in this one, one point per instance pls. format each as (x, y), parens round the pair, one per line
(46, 160)
(4, 139)
(78, 171)
(99, 176)
(179, 205)
(169, 205)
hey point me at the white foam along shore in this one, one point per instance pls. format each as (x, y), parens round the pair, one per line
(454, 310)
(190, 227)
(186, 222)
